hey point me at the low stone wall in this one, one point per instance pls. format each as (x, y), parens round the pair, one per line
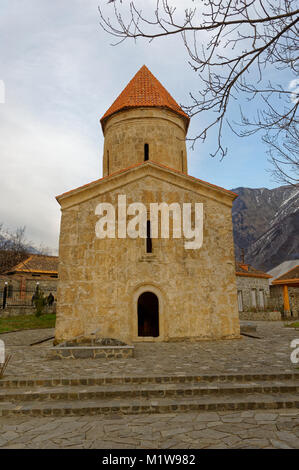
(264, 316)
(92, 352)
(15, 310)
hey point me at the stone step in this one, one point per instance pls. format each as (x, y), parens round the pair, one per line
(23, 382)
(146, 405)
(91, 392)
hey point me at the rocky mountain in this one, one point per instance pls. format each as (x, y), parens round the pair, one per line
(266, 225)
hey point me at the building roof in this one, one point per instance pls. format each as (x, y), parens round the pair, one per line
(290, 277)
(37, 264)
(9, 258)
(139, 165)
(283, 268)
(243, 269)
(144, 90)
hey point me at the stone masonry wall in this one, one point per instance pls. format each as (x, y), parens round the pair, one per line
(260, 316)
(294, 300)
(100, 279)
(126, 133)
(277, 298)
(246, 284)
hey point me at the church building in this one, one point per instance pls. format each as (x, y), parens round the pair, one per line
(146, 288)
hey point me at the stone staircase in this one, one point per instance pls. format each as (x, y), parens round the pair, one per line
(132, 395)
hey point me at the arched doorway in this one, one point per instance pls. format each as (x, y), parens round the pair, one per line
(148, 315)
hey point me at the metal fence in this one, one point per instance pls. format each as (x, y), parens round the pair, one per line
(12, 297)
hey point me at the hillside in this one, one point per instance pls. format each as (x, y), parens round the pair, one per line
(266, 225)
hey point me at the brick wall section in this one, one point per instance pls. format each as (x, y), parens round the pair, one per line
(128, 131)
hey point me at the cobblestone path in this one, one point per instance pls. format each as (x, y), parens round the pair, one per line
(269, 428)
(247, 429)
(270, 353)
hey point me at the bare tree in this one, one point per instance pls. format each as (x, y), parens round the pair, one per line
(43, 249)
(13, 247)
(284, 155)
(233, 47)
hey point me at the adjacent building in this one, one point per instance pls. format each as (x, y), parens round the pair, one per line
(252, 289)
(22, 280)
(284, 288)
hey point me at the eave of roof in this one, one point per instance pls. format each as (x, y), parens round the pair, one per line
(33, 271)
(251, 274)
(285, 281)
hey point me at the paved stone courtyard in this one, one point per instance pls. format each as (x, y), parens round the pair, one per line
(223, 429)
(247, 429)
(270, 353)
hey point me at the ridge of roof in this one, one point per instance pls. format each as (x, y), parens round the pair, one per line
(22, 263)
(139, 165)
(144, 90)
(24, 266)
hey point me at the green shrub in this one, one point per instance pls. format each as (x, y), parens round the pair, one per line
(39, 302)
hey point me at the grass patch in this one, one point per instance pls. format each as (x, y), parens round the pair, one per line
(292, 325)
(27, 322)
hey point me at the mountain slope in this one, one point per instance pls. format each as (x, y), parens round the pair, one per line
(266, 225)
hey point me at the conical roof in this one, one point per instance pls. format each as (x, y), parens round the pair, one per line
(144, 90)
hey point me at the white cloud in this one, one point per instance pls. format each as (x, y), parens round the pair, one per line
(38, 162)
(2, 92)
(294, 87)
(61, 74)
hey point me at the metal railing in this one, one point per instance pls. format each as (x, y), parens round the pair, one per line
(12, 297)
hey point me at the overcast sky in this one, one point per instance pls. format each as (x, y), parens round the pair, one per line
(60, 75)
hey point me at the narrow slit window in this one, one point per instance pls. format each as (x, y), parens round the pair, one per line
(146, 152)
(108, 162)
(182, 157)
(149, 245)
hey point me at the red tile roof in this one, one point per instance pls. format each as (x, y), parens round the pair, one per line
(37, 264)
(144, 90)
(243, 269)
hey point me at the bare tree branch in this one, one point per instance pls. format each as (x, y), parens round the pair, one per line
(233, 46)
(13, 247)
